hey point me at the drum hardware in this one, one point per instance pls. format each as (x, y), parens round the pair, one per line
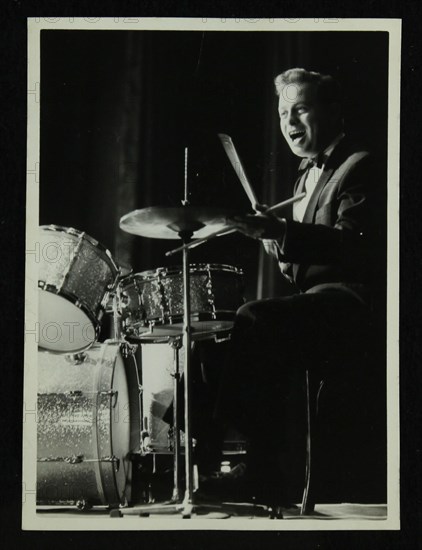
(74, 393)
(128, 350)
(174, 440)
(79, 393)
(78, 459)
(76, 358)
(83, 505)
(182, 223)
(223, 337)
(176, 345)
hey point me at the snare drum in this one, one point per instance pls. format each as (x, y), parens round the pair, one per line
(152, 301)
(88, 423)
(76, 274)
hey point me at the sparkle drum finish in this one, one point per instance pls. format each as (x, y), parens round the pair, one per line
(76, 274)
(88, 424)
(152, 301)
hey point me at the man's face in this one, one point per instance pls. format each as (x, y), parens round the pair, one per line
(307, 125)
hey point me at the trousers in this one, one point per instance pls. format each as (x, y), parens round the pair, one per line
(273, 342)
(255, 382)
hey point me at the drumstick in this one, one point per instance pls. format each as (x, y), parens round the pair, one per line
(282, 204)
(228, 229)
(238, 168)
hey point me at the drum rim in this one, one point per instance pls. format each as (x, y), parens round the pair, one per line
(91, 240)
(152, 274)
(115, 347)
(220, 315)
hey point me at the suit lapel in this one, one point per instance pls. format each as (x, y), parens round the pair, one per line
(313, 201)
(333, 162)
(300, 182)
(310, 209)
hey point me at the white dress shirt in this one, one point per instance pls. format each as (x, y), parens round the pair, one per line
(312, 176)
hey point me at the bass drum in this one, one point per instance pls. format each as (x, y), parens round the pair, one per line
(88, 425)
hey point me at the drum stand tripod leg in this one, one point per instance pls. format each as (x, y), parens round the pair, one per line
(173, 506)
(187, 337)
(176, 345)
(189, 507)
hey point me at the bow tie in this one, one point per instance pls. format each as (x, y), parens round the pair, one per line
(309, 163)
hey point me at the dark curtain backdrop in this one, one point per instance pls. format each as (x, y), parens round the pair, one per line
(118, 108)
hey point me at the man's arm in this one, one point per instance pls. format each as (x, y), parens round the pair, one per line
(343, 223)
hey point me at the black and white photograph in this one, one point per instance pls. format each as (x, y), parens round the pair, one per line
(212, 274)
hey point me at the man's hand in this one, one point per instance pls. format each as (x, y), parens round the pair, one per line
(259, 226)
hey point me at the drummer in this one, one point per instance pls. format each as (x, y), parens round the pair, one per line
(330, 252)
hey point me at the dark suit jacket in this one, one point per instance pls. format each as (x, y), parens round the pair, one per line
(342, 236)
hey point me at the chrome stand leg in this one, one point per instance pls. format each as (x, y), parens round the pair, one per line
(176, 345)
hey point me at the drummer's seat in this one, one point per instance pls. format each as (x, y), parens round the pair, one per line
(346, 430)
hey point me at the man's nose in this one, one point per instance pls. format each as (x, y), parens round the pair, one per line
(292, 118)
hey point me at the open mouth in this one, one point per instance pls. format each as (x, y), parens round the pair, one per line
(296, 135)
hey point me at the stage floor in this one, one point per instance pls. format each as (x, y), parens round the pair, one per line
(231, 512)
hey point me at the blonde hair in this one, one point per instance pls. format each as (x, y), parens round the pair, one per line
(327, 88)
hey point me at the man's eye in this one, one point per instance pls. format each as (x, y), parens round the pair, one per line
(283, 114)
(301, 110)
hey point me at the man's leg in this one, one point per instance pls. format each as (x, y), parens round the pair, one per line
(273, 341)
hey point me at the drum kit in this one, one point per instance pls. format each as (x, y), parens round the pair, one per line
(90, 411)
(91, 421)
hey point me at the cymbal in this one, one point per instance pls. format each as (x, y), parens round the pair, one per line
(166, 222)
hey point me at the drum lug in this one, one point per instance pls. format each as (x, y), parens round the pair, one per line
(74, 459)
(83, 505)
(74, 393)
(110, 459)
(128, 350)
(176, 343)
(123, 299)
(79, 358)
(111, 393)
(76, 358)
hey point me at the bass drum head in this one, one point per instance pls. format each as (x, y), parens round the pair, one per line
(63, 326)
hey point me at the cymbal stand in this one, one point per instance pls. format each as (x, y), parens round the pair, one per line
(176, 344)
(188, 506)
(187, 342)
